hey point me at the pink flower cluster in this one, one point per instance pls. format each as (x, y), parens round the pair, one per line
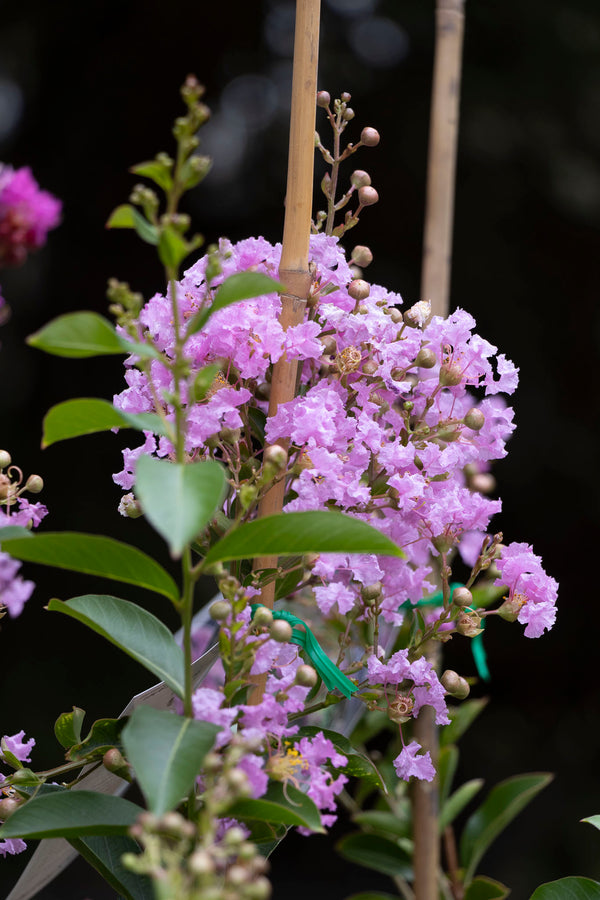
(15, 590)
(20, 749)
(530, 588)
(263, 729)
(27, 214)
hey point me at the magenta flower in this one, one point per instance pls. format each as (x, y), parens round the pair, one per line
(408, 764)
(522, 573)
(27, 214)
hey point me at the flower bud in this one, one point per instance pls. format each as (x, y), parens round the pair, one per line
(306, 676)
(348, 114)
(230, 435)
(360, 178)
(474, 419)
(418, 314)
(442, 543)
(263, 617)
(34, 484)
(5, 459)
(362, 256)
(369, 137)
(281, 631)
(450, 374)
(323, 99)
(275, 456)
(114, 761)
(345, 97)
(359, 289)
(219, 611)
(426, 358)
(201, 863)
(448, 434)
(369, 367)
(371, 591)
(468, 624)
(248, 494)
(483, 482)
(7, 807)
(237, 781)
(462, 596)
(367, 196)
(259, 889)
(130, 507)
(455, 684)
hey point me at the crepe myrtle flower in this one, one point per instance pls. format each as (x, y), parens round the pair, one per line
(21, 749)
(27, 214)
(532, 593)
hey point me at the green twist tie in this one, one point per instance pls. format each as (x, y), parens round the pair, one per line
(477, 648)
(331, 676)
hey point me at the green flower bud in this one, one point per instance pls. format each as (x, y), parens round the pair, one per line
(360, 178)
(462, 596)
(281, 631)
(455, 684)
(450, 375)
(426, 358)
(114, 761)
(263, 617)
(220, 610)
(442, 543)
(201, 863)
(306, 676)
(8, 807)
(5, 459)
(275, 456)
(474, 419)
(362, 256)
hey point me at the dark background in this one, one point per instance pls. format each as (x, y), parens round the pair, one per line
(86, 90)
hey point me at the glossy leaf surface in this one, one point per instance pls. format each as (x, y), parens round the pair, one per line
(482, 888)
(77, 335)
(94, 555)
(133, 629)
(71, 814)
(88, 415)
(166, 752)
(285, 806)
(572, 888)
(179, 499)
(503, 803)
(302, 532)
(104, 854)
(376, 852)
(67, 727)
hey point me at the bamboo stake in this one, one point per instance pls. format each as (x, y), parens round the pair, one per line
(293, 268)
(443, 132)
(435, 287)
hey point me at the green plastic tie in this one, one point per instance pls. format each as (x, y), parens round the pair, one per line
(477, 648)
(330, 674)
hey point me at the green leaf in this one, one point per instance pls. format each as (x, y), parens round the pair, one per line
(386, 823)
(241, 286)
(302, 532)
(376, 852)
(104, 734)
(483, 888)
(179, 499)
(94, 554)
(88, 415)
(203, 381)
(77, 335)
(134, 630)
(571, 888)
(592, 820)
(157, 171)
(145, 351)
(503, 803)
(14, 531)
(462, 717)
(166, 752)
(281, 805)
(71, 814)
(447, 763)
(104, 855)
(127, 216)
(455, 804)
(172, 248)
(67, 727)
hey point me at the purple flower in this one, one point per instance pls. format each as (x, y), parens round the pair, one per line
(408, 764)
(14, 590)
(17, 746)
(27, 214)
(522, 573)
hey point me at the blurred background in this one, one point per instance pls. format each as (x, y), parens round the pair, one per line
(87, 90)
